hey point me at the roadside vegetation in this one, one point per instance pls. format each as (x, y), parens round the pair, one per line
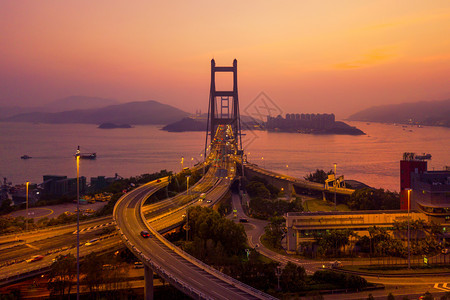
(221, 243)
(266, 200)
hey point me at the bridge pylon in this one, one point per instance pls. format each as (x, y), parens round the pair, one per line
(223, 106)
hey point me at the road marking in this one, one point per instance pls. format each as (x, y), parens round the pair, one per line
(33, 247)
(443, 288)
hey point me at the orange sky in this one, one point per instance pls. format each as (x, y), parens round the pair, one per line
(308, 56)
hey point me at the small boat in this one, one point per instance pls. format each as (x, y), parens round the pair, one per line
(25, 157)
(92, 155)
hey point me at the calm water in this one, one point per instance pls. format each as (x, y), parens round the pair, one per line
(373, 159)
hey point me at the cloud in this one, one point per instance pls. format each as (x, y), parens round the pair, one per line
(373, 57)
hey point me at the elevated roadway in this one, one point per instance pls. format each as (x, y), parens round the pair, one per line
(176, 267)
(253, 169)
(181, 270)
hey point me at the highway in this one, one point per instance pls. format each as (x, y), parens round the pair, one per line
(186, 273)
(297, 181)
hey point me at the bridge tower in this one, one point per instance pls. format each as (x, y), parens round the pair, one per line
(223, 106)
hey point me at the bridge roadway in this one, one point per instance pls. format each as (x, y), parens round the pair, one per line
(296, 181)
(178, 268)
(181, 270)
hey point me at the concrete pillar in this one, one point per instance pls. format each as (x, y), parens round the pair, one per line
(148, 285)
(291, 239)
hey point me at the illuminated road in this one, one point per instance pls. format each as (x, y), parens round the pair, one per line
(177, 267)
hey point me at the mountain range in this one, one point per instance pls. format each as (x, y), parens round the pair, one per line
(64, 104)
(431, 113)
(137, 113)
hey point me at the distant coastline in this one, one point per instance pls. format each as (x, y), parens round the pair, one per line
(424, 113)
(113, 126)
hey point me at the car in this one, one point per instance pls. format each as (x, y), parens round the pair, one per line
(145, 234)
(35, 258)
(108, 267)
(208, 201)
(91, 242)
(138, 265)
(336, 264)
(158, 180)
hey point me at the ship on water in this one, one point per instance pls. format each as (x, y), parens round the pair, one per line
(92, 155)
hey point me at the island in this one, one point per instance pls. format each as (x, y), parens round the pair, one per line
(310, 124)
(186, 124)
(298, 123)
(113, 126)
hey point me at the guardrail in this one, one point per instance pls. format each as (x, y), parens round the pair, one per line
(202, 265)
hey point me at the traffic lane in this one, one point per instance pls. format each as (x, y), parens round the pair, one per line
(41, 247)
(24, 267)
(175, 265)
(37, 235)
(131, 227)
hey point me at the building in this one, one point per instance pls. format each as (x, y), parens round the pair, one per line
(294, 122)
(62, 186)
(429, 191)
(410, 164)
(431, 194)
(302, 226)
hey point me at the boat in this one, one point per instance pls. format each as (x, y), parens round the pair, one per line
(92, 155)
(25, 157)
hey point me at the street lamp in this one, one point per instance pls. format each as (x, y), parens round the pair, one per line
(409, 233)
(182, 162)
(278, 273)
(187, 211)
(262, 158)
(287, 169)
(26, 218)
(78, 226)
(335, 183)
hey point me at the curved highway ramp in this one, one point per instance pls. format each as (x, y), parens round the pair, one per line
(181, 270)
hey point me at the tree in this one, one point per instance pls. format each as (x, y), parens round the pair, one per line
(209, 231)
(428, 296)
(319, 176)
(92, 268)
(293, 278)
(333, 239)
(374, 199)
(62, 273)
(274, 231)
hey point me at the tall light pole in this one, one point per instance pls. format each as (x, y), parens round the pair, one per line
(335, 183)
(287, 170)
(409, 233)
(78, 226)
(262, 158)
(187, 208)
(182, 162)
(26, 218)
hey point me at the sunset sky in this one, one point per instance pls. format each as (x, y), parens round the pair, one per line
(308, 56)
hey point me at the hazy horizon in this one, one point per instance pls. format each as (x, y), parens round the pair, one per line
(326, 57)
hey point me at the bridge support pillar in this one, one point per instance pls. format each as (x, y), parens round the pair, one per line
(148, 285)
